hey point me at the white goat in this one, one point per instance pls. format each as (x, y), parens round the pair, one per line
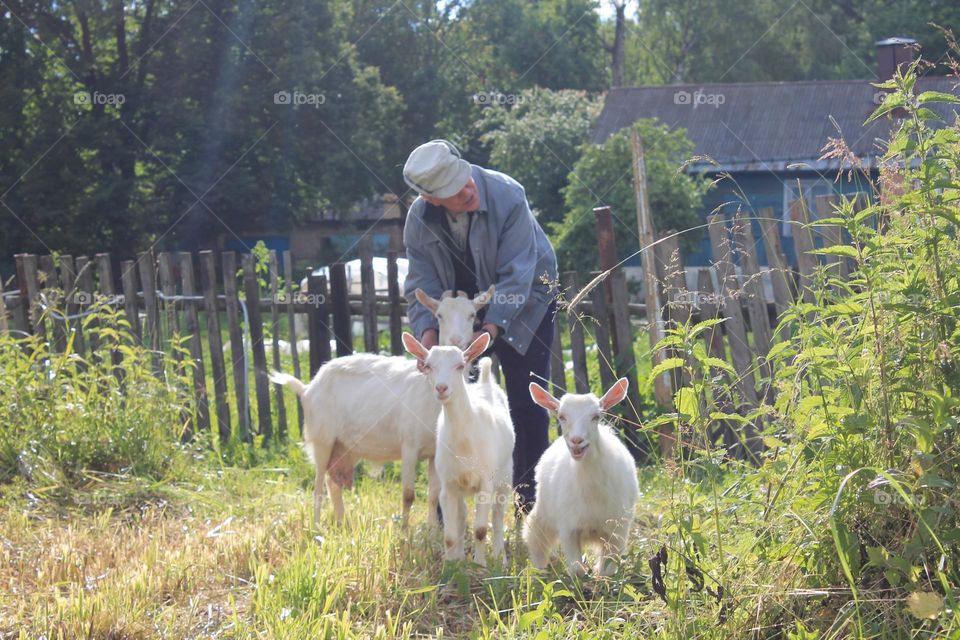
(586, 484)
(474, 453)
(375, 408)
(455, 314)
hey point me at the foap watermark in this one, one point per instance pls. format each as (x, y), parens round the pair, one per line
(486, 98)
(298, 98)
(509, 299)
(699, 98)
(886, 498)
(492, 499)
(90, 297)
(97, 98)
(303, 297)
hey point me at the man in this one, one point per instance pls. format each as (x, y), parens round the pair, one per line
(472, 227)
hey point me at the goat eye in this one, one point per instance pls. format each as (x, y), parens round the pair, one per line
(562, 418)
(439, 316)
(460, 368)
(426, 367)
(472, 316)
(596, 418)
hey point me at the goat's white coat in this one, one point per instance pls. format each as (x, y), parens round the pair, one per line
(474, 453)
(582, 502)
(376, 408)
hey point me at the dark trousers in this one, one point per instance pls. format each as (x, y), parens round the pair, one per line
(531, 422)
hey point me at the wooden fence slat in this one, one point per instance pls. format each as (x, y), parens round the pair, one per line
(195, 344)
(261, 382)
(146, 266)
(601, 333)
(753, 290)
(68, 280)
(108, 288)
(676, 308)
(396, 320)
(779, 270)
(368, 296)
(275, 335)
(319, 323)
(53, 292)
(292, 325)
(169, 288)
(558, 369)
(342, 326)
(577, 346)
(85, 297)
(238, 351)
(626, 365)
(832, 235)
(708, 301)
(807, 262)
(30, 291)
(730, 304)
(128, 280)
(208, 282)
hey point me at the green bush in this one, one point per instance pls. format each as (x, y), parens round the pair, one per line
(66, 418)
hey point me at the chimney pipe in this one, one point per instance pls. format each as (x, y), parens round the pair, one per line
(894, 54)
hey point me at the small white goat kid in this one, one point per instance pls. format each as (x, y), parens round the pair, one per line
(474, 453)
(586, 484)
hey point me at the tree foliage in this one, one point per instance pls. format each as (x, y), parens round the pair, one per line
(603, 176)
(538, 140)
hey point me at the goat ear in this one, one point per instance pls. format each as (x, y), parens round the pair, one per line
(484, 298)
(426, 301)
(543, 398)
(413, 346)
(477, 347)
(614, 394)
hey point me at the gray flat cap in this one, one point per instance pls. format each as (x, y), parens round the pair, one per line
(436, 169)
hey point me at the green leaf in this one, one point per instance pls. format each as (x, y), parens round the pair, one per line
(666, 365)
(843, 250)
(720, 364)
(937, 96)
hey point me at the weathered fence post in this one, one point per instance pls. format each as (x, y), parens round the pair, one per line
(4, 326)
(753, 290)
(146, 265)
(275, 335)
(68, 278)
(208, 282)
(396, 320)
(53, 293)
(128, 280)
(340, 299)
(319, 323)
(601, 333)
(730, 303)
(578, 351)
(626, 364)
(86, 296)
(261, 382)
(368, 296)
(780, 274)
(292, 323)
(803, 242)
(29, 291)
(195, 344)
(237, 346)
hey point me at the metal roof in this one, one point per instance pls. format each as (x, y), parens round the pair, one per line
(765, 126)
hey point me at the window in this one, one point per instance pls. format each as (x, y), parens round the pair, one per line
(810, 188)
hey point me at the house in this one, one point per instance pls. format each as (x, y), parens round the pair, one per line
(769, 136)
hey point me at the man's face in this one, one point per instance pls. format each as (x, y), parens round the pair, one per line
(467, 199)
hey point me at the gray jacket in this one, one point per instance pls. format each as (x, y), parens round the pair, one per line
(510, 250)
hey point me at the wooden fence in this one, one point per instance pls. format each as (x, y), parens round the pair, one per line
(207, 298)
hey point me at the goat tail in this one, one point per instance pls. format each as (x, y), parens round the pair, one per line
(286, 379)
(486, 364)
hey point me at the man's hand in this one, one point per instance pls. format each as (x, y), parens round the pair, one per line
(430, 338)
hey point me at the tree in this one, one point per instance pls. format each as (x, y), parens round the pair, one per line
(603, 176)
(538, 140)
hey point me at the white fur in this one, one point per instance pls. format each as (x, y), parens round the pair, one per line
(474, 453)
(455, 314)
(587, 501)
(376, 408)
